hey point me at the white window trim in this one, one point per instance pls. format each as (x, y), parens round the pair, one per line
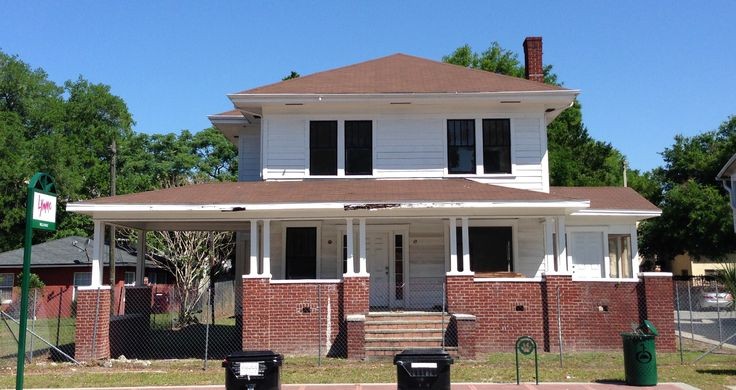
(7, 287)
(288, 224)
(604, 230)
(513, 223)
(340, 119)
(479, 169)
(125, 273)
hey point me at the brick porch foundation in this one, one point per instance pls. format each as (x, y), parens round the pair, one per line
(92, 334)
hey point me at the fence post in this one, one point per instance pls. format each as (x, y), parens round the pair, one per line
(690, 306)
(718, 314)
(677, 310)
(207, 326)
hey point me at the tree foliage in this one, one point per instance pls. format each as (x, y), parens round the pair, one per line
(696, 215)
(575, 158)
(66, 131)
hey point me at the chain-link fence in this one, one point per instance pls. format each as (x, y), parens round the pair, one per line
(51, 325)
(705, 314)
(166, 322)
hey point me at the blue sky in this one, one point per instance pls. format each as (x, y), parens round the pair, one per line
(647, 70)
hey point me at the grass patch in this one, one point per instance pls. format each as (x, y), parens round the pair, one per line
(714, 371)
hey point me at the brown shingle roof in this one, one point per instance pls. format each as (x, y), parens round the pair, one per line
(230, 113)
(401, 73)
(607, 198)
(331, 190)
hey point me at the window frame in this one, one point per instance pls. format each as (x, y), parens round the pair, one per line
(484, 147)
(479, 171)
(74, 282)
(318, 260)
(341, 155)
(473, 148)
(619, 251)
(346, 170)
(5, 287)
(336, 148)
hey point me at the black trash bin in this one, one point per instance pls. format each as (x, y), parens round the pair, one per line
(252, 370)
(423, 369)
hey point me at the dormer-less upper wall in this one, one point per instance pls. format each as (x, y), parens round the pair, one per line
(407, 142)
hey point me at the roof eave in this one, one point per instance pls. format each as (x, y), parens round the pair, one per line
(550, 96)
(618, 213)
(730, 164)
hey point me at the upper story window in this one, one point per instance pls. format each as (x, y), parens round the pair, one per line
(461, 146)
(323, 148)
(496, 146)
(358, 147)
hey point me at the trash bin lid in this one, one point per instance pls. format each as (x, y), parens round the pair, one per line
(246, 356)
(648, 328)
(423, 354)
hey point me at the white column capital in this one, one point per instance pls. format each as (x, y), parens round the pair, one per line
(97, 250)
(253, 248)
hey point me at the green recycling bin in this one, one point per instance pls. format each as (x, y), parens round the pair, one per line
(640, 356)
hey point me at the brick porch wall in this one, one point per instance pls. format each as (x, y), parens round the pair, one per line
(286, 317)
(593, 314)
(92, 334)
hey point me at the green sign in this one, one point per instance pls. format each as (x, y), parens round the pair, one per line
(40, 214)
(44, 211)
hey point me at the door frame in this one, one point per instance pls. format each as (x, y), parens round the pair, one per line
(392, 230)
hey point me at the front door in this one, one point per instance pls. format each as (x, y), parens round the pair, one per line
(377, 256)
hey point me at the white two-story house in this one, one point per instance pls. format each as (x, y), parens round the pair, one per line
(405, 184)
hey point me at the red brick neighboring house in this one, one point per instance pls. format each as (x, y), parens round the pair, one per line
(399, 186)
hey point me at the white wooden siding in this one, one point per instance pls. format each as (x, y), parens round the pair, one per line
(286, 148)
(408, 146)
(249, 159)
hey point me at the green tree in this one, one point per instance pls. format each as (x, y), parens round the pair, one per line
(696, 215)
(292, 75)
(575, 158)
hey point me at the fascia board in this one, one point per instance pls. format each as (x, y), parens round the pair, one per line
(555, 96)
(617, 213)
(722, 175)
(92, 208)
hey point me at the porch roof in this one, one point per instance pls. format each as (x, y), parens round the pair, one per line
(350, 191)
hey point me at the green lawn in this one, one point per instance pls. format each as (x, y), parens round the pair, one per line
(714, 371)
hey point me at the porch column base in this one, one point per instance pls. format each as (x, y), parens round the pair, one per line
(92, 334)
(356, 295)
(356, 336)
(256, 326)
(459, 289)
(466, 327)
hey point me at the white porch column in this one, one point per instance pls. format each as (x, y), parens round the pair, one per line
(561, 246)
(97, 250)
(266, 248)
(635, 259)
(253, 248)
(140, 264)
(466, 247)
(363, 271)
(350, 270)
(453, 246)
(549, 251)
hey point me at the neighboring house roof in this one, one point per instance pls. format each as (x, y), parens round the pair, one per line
(330, 190)
(608, 198)
(401, 73)
(63, 253)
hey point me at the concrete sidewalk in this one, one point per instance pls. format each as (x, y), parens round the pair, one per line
(455, 386)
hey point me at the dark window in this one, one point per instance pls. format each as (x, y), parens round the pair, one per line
(358, 147)
(344, 253)
(399, 267)
(496, 146)
(323, 148)
(301, 253)
(490, 249)
(461, 146)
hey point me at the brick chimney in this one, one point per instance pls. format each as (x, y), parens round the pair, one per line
(533, 59)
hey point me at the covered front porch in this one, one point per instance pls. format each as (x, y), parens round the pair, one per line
(492, 261)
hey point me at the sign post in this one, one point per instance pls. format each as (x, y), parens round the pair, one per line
(40, 214)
